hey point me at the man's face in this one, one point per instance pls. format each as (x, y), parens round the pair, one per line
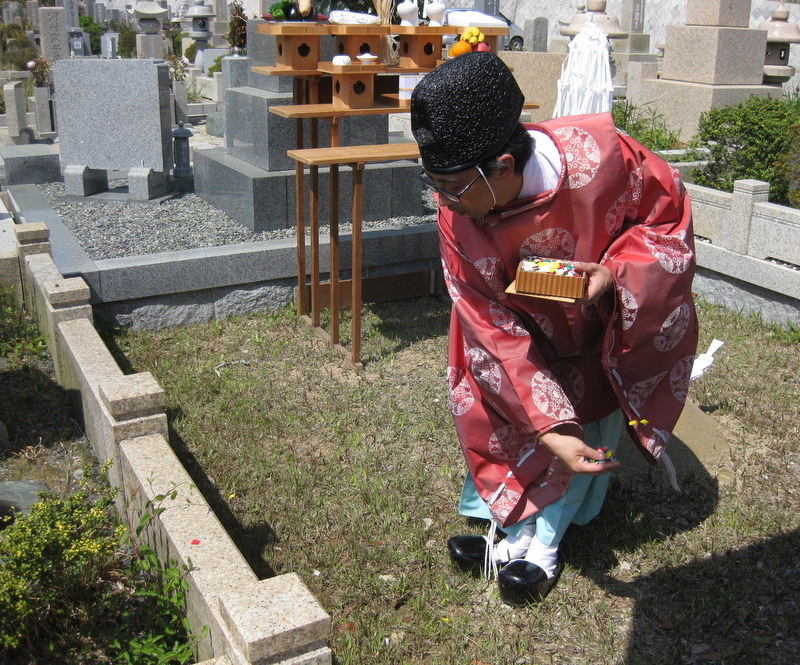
(466, 192)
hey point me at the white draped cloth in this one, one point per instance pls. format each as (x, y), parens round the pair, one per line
(585, 85)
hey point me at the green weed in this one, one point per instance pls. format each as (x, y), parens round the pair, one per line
(75, 587)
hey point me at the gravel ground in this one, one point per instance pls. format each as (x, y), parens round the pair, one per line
(111, 229)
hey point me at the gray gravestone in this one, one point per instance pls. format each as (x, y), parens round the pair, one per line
(235, 70)
(150, 46)
(100, 12)
(53, 33)
(538, 40)
(108, 44)
(78, 42)
(16, 114)
(33, 13)
(632, 16)
(8, 12)
(98, 97)
(71, 7)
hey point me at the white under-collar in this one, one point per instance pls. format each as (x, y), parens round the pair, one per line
(543, 169)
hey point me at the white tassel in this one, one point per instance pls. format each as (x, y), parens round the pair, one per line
(489, 564)
(673, 476)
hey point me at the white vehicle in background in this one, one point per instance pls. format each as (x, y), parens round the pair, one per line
(466, 18)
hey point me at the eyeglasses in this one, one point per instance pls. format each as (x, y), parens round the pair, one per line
(452, 197)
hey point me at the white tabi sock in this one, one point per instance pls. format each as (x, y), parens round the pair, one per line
(515, 547)
(544, 556)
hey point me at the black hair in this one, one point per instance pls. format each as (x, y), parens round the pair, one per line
(519, 146)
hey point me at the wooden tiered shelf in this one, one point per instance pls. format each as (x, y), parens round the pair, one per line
(353, 93)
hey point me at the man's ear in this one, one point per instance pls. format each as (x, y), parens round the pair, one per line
(507, 169)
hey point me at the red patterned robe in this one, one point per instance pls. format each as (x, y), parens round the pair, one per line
(519, 366)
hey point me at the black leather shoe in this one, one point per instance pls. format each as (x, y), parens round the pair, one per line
(468, 552)
(522, 583)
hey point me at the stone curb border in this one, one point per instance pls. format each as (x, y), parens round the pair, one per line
(250, 621)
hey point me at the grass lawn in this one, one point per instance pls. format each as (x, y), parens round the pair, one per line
(351, 481)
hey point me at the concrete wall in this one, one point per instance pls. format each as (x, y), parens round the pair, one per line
(745, 263)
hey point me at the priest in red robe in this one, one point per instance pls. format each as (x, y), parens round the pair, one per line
(536, 386)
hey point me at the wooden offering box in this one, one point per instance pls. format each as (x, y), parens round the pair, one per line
(421, 45)
(549, 282)
(297, 43)
(353, 85)
(355, 40)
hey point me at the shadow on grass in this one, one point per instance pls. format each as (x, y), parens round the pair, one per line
(250, 540)
(740, 606)
(406, 322)
(36, 410)
(641, 508)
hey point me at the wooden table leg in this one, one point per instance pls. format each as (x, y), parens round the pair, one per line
(316, 304)
(300, 232)
(334, 252)
(335, 122)
(312, 91)
(299, 95)
(355, 306)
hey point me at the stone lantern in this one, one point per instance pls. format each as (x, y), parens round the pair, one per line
(200, 16)
(150, 42)
(148, 15)
(595, 11)
(780, 34)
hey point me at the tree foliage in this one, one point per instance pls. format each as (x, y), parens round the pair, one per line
(94, 30)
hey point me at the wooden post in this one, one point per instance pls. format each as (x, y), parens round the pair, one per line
(355, 304)
(334, 252)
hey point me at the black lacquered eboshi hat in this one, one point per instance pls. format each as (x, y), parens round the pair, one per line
(464, 111)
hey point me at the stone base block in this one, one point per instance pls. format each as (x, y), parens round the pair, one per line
(83, 181)
(633, 43)
(716, 56)
(275, 619)
(622, 60)
(145, 184)
(265, 200)
(695, 98)
(234, 71)
(259, 137)
(150, 47)
(730, 13)
(255, 198)
(215, 124)
(33, 164)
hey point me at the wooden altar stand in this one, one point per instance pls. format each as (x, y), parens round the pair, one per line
(356, 157)
(354, 92)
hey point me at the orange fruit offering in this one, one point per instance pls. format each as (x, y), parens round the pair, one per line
(460, 47)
